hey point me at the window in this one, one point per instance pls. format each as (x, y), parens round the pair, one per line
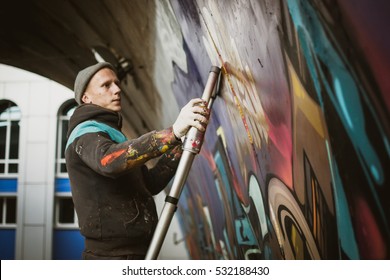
(65, 215)
(63, 123)
(7, 211)
(9, 161)
(9, 138)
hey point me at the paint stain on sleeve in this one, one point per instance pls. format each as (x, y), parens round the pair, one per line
(111, 157)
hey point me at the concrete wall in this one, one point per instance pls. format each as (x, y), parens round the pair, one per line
(296, 159)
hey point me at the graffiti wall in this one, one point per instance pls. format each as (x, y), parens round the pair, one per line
(295, 163)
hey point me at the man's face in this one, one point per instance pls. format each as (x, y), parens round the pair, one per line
(104, 90)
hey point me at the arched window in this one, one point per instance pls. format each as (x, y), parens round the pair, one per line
(9, 138)
(9, 165)
(67, 240)
(63, 123)
(65, 216)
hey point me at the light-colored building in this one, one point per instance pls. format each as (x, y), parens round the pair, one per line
(37, 210)
(37, 218)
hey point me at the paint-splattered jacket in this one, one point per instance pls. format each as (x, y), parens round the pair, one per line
(111, 186)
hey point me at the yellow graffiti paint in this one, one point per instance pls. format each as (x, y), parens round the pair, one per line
(304, 102)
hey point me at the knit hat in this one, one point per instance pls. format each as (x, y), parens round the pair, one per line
(84, 76)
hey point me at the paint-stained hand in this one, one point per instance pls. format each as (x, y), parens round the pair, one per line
(193, 114)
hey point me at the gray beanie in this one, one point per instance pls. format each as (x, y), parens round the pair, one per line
(84, 76)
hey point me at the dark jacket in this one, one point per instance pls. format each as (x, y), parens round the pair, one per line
(111, 186)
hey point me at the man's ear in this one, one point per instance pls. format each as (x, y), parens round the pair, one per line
(85, 98)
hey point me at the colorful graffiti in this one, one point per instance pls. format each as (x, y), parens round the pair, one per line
(296, 159)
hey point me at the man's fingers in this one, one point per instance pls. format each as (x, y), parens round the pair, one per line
(201, 110)
(198, 125)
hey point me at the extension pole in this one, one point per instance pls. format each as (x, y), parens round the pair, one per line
(191, 147)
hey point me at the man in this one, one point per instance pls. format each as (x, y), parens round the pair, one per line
(112, 187)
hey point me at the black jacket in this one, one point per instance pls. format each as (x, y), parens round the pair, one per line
(111, 186)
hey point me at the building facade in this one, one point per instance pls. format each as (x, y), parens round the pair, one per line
(37, 216)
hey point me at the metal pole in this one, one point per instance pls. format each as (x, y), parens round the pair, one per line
(191, 147)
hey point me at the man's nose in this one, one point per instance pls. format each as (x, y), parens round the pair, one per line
(116, 89)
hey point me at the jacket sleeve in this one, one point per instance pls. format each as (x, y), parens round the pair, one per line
(162, 172)
(111, 159)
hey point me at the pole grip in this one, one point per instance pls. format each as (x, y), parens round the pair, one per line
(194, 138)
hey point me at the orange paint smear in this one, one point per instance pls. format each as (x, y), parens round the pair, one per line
(111, 157)
(227, 75)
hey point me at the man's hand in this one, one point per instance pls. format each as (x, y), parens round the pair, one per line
(193, 114)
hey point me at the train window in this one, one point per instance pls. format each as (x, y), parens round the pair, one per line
(62, 128)
(9, 138)
(7, 211)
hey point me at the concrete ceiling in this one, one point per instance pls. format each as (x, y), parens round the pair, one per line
(57, 38)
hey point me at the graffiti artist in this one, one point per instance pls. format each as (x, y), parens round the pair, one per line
(112, 187)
